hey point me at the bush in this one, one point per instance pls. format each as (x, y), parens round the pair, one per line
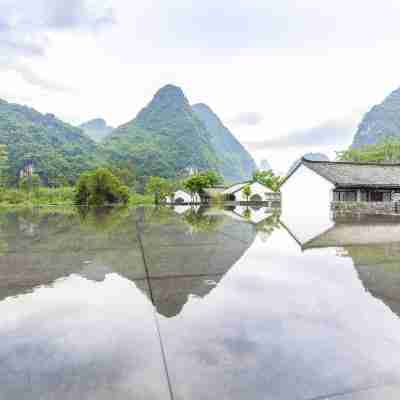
(12, 196)
(62, 195)
(99, 188)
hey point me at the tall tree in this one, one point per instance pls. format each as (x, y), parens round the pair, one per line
(247, 191)
(268, 179)
(3, 165)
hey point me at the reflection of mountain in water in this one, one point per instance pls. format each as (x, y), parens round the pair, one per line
(41, 248)
(186, 254)
(374, 246)
(189, 255)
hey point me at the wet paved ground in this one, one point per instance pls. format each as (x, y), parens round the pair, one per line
(155, 305)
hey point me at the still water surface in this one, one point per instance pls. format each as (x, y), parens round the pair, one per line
(215, 304)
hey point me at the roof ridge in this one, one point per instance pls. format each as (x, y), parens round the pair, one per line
(397, 164)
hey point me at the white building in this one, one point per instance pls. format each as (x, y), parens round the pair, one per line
(306, 198)
(182, 197)
(313, 187)
(259, 193)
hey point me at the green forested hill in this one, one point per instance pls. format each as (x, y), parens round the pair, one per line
(164, 139)
(380, 123)
(97, 129)
(59, 151)
(235, 162)
(167, 138)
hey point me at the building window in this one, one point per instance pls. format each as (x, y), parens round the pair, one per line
(345, 195)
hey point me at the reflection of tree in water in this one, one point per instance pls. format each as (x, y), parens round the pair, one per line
(247, 213)
(93, 244)
(103, 218)
(45, 246)
(268, 225)
(199, 222)
(3, 242)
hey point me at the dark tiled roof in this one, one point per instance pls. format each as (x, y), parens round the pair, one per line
(351, 174)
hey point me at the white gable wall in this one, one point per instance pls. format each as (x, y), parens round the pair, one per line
(306, 198)
(256, 188)
(187, 198)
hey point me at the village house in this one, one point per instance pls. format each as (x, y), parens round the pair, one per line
(316, 189)
(183, 197)
(259, 193)
(236, 193)
(26, 170)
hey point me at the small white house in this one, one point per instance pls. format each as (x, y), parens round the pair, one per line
(183, 197)
(259, 193)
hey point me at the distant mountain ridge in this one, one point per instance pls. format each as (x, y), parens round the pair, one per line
(265, 165)
(236, 163)
(382, 121)
(56, 149)
(97, 129)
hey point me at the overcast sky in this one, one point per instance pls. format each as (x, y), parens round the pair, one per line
(286, 76)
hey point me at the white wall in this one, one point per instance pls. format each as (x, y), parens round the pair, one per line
(184, 195)
(256, 188)
(306, 199)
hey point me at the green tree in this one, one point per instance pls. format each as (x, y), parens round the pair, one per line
(198, 182)
(159, 187)
(3, 165)
(247, 191)
(387, 151)
(268, 179)
(30, 183)
(99, 188)
(125, 174)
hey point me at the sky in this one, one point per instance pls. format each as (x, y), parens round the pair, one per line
(286, 76)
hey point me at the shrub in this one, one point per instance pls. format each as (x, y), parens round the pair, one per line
(99, 188)
(12, 196)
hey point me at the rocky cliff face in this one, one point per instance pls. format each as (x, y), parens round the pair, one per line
(235, 162)
(381, 122)
(97, 129)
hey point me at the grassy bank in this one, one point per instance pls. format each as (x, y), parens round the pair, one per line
(45, 197)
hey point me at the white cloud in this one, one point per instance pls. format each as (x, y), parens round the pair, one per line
(294, 66)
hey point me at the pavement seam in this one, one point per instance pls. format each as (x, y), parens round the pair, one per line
(163, 355)
(353, 391)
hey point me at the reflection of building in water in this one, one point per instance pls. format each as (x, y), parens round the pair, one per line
(374, 247)
(181, 209)
(253, 214)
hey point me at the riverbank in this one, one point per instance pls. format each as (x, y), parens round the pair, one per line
(16, 199)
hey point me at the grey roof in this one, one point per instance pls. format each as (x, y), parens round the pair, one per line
(351, 174)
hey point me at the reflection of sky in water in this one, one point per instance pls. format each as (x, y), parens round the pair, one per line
(80, 339)
(241, 310)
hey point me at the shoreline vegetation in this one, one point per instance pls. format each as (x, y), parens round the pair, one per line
(62, 197)
(120, 186)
